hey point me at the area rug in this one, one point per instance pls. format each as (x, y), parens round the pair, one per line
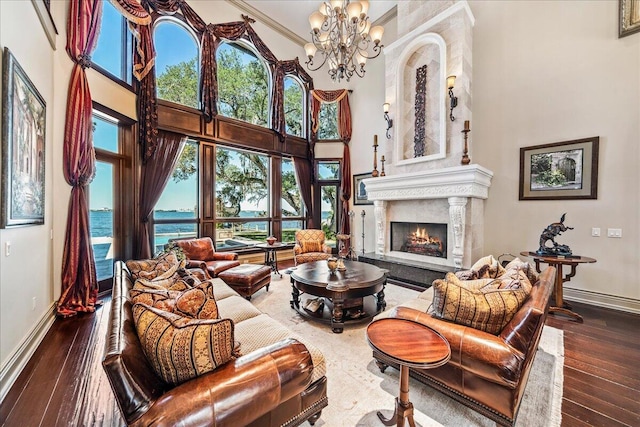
(357, 389)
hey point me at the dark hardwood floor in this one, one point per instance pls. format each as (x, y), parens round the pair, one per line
(63, 384)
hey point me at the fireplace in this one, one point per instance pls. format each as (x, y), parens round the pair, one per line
(419, 238)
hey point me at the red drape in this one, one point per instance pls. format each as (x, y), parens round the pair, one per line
(79, 281)
(155, 175)
(304, 176)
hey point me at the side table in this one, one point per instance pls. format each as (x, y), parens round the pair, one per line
(411, 345)
(270, 255)
(558, 262)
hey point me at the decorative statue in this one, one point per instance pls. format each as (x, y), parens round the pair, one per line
(553, 230)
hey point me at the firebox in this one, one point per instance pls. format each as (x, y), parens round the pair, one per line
(420, 238)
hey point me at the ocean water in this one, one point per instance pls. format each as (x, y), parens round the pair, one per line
(101, 222)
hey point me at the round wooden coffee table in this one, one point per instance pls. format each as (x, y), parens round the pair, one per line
(342, 291)
(411, 345)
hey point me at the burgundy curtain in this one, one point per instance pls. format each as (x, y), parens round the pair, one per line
(79, 281)
(155, 175)
(304, 176)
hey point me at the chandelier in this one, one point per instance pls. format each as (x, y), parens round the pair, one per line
(342, 33)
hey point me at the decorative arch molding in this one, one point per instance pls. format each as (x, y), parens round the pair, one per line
(401, 128)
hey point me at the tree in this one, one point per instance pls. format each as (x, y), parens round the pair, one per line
(179, 83)
(328, 119)
(293, 108)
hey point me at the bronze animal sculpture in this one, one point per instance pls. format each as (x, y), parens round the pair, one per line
(549, 234)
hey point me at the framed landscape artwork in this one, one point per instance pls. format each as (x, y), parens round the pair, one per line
(629, 16)
(562, 170)
(359, 189)
(23, 147)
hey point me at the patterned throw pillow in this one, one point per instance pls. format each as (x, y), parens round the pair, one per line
(196, 302)
(180, 348)
(487, 308)
(311, 246)
(487, 267)
(162, 267)
(527, 268)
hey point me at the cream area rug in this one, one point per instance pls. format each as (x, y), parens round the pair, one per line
(357, 388)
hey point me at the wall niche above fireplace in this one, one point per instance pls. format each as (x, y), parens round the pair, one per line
(419, 238)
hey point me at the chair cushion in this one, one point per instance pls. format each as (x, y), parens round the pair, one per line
(311, 246)
(179, 348)
(162, 267)
(488, 308)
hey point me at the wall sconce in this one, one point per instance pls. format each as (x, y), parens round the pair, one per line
(385, 107)
(453, 100)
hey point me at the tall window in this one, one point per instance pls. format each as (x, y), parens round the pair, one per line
(242, 198)
(291, 202)
(113, 49)
(328, 121)
(294, 106)
(243, 84)
(176, 213)
(327, 197)
(177, 63)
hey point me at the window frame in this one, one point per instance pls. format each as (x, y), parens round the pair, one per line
(338, 139)
(305, 104)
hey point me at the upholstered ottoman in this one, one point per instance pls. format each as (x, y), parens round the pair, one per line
(246, 279)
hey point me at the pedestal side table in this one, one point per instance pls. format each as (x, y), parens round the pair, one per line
(270, 255)
(411, 345)
(559, 262)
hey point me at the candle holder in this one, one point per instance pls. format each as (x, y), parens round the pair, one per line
(374, 172)
(362, 214)
(382, 163)
(465, 157)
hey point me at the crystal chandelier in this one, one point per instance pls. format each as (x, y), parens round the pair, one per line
(342, 33)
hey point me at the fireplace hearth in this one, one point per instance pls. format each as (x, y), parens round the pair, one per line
(427, 239)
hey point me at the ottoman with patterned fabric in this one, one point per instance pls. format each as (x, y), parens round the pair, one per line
(246, 279)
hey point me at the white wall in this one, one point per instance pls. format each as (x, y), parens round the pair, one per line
(26, 273)
(555, 71)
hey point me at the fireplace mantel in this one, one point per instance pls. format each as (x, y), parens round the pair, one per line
(458, 181)
(455, 184)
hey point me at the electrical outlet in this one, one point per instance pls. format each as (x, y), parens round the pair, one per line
(595, 232)
(614, 232)
(7, 248)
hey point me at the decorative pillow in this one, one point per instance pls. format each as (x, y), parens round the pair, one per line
(179, 348)
(311, 246)
(159, 268)
(487, 267)
(527, 268)
(513, 278)
(488, 308)
(173, 283)
(196, 302)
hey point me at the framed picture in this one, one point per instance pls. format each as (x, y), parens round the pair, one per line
(562, 170)
(629, 17)
(359, 189)
(23, 147)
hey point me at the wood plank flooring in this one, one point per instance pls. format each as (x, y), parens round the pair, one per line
(64, 385)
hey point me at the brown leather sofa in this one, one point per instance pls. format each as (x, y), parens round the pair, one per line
(486, 372)
(201, 253)
(278, 381)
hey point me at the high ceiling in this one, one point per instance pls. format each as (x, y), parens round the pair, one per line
(294, 14)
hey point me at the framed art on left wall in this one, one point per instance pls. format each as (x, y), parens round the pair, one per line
(23, 147)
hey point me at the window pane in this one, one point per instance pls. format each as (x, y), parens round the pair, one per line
(237, 235)
(105, 133)
(291, 202)
(164, 232)
(293, 106)
(177, 63)
(289, 229)
(101, 219)
(243, 85)
(242, 184)
(328, 121)
(328, 171)
(329, 213)
(111, 44)
(179, 198)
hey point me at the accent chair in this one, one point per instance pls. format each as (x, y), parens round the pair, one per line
(310, 246)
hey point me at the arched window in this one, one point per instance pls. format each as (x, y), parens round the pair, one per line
(243, 84)
(177, 62)
(294, 103)
(328, 121)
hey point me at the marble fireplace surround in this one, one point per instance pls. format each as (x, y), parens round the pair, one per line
(453, 195)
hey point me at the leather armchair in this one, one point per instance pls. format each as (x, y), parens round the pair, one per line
(310, 246)
(200, 253)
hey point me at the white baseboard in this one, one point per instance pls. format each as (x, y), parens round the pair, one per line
(602, 300)
(10, 371)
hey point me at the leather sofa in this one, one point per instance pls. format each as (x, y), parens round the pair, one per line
(486, 372)
(279, 380)
(201, 253)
